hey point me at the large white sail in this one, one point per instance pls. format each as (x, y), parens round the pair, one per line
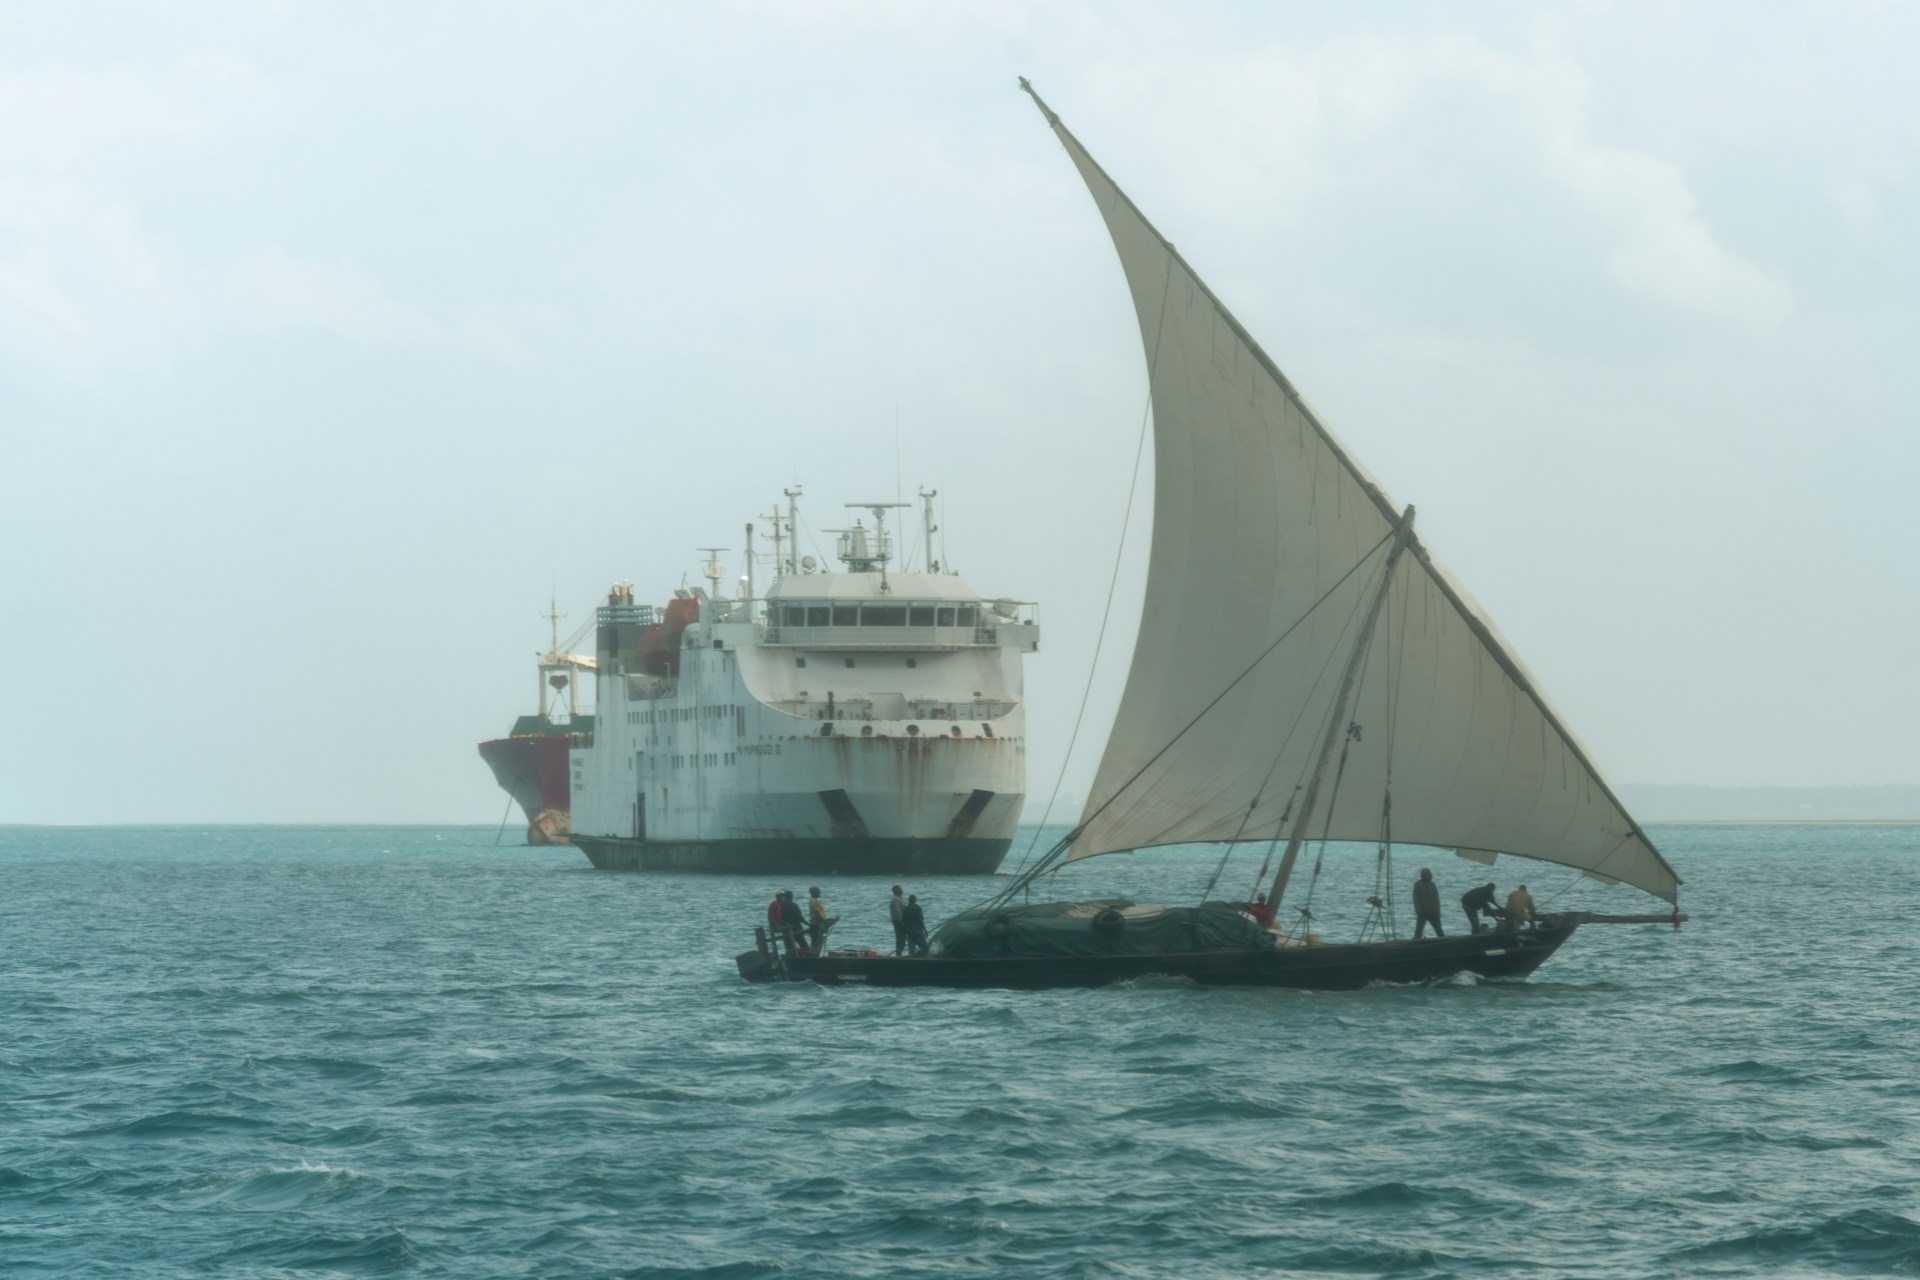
(1268, 539)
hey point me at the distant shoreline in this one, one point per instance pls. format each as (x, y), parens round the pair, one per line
(1874, 805)
(489, 826)
(1782, 822)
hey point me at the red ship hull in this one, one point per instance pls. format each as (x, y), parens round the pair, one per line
(533, 770)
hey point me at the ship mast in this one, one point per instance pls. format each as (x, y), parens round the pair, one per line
(793, 529)
(779, 558)
(712, 571)
(926, 519)
(553, 616)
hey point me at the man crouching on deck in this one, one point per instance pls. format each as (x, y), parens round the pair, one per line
(1474, 901)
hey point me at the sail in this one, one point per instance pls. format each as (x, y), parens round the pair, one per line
(1269, 545)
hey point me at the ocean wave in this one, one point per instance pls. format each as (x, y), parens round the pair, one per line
(171, 1124)
(1393, 1195)
(1865, 1242)
(282, 1188)
(1749, 1071)
(378, 1252)
(536, 1087)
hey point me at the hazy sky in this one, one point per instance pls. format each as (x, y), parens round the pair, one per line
(330, 335)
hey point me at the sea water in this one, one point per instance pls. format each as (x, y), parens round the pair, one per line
(321, 1051)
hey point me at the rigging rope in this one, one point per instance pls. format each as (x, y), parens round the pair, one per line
(1113, 581)
(1066, 842)
(1306, 766)
(1333, 798)
(1383, 867)
(1396, 671)
(1279, 753)
(1335, 650)
(1339, 772)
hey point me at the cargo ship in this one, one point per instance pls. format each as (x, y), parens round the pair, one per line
(531, 762)
(864, 720)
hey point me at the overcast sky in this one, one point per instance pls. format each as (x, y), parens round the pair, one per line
(331, 335)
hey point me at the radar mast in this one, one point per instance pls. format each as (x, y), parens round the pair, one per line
(864, 553)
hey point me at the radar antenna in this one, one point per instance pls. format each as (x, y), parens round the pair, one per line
(864, 554)
(712, 570)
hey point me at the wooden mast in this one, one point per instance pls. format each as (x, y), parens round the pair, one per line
(1337, 717)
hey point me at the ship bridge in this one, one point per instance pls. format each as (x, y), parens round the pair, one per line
(901, 611)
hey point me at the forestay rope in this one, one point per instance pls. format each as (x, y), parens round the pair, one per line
(1060, 847)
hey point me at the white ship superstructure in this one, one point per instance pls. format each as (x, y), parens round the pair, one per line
(865, 721)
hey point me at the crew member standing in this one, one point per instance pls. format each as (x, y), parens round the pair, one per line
(915, 921)
(897, 909)
(1426, 905)
(794, 921)
(816, 919)
(1520, 907)
(783, 921)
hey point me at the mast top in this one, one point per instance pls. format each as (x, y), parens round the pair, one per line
(1027, 88)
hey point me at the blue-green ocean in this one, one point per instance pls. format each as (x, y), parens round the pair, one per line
(345, 1051)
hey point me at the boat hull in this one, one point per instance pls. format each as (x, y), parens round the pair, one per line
(1327, 967)
(533, 770)
(872, 856)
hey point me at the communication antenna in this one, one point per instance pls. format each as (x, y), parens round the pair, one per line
(712, 570)
(779, 538)
(553, 616)
(747, 581)
(926, 517)
(793, 528)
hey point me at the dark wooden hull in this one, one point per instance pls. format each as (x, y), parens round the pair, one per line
(1324, 967)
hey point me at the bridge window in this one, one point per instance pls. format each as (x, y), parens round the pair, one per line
(793, 616)
(883, 615)
(969, 616)
(846, 615)
(817, 615)
(920, 615)
(945, 618)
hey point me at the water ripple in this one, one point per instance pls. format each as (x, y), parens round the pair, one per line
(332, 1051)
